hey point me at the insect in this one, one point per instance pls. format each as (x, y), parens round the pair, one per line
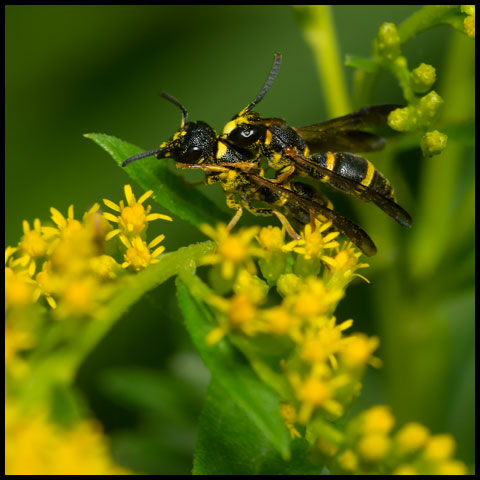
(324, 151)
(234, 160)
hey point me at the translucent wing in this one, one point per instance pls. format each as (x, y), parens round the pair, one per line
(358, 236)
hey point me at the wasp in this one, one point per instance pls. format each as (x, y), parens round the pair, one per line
(233, 159)
(323, 151)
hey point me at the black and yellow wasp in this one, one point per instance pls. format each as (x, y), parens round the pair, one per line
(323, 151)
(234, 159)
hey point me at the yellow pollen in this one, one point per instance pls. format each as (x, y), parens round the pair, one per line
(232, 248)
(33, 243)
(79, 295)
(315, 392)
(374, 447)
(412, 437)
(134, 217)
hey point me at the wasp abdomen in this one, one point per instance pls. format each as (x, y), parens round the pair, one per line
(354, 168)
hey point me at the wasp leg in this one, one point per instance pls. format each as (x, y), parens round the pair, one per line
(247, 166)
(235, 218)
(263, 211)
(207, 168)
(283, 176)
(289, 229)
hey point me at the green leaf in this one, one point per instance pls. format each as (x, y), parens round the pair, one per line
(62, 364)
(230, 444)
(258, 402)
(169, 190)
(166, 408)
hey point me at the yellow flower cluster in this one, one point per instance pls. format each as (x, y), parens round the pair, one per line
(371, 447)
(283, 304)
(36, 446)
(320, 365)
(65, 270)
(67, 263)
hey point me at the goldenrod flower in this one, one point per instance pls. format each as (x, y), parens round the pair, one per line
(323, 342)
(233, 249)
(343, 265)
(313, 298)
(271, 239)
(278, 321)
(240, 313)
(36, 446)
(132, 218)
(68, 225)
(439, 447)
(405, 470)
(250, 285)
(452, 467)
(469, 21)
(47, 284)
(138, 255)
(105, 266)
(378, 419)
(316, 391)
(32, 245)
(374, 446)
(313, 243)
(79, 295)
(412, 436)
(357, 350)
(348, 461)
(19, 288)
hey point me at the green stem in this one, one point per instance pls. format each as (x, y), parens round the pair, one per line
(435, 216)
(428, 17)
(62, 365)
(319, 31)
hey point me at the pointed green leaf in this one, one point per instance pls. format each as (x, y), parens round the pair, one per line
(255, 400)
(169, 190)
(228, 443)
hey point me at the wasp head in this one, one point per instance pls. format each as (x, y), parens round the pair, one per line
(194, 142)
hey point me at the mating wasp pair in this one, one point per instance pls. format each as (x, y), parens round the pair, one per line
(324, 152)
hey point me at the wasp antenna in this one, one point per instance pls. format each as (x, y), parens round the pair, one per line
(173, 100)
(134, 158)
(271, 78)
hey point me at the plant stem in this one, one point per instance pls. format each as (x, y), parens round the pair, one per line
(319, 31)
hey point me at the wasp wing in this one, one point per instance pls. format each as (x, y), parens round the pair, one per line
(358, 236)
(344, 133)
(391, 208)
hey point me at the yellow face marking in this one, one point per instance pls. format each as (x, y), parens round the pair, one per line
(268, 137)
(369, 175)
(179, 134)
(330, 161)
(221, 150)
(233, 124)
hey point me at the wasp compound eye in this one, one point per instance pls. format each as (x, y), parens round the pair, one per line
(245, 136)
(193, 154)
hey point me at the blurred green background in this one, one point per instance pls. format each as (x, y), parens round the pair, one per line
(79, 69)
